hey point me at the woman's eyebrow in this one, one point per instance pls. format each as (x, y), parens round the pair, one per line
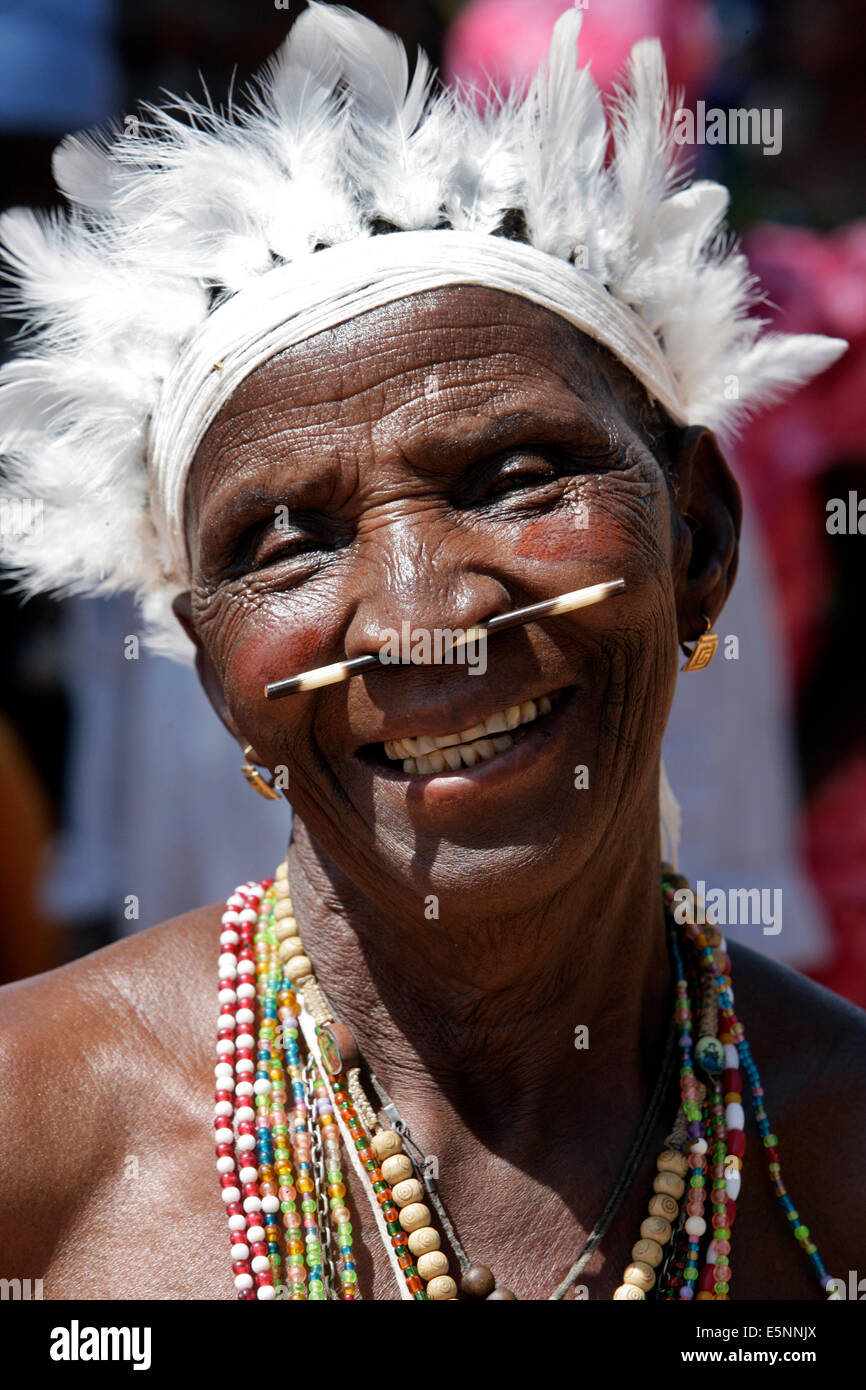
(434, 448)
(260, 495)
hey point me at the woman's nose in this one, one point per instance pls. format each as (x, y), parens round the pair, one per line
(431, 596)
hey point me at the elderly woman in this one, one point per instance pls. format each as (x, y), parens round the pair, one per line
(357, 356)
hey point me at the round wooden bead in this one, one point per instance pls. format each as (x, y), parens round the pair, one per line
(434, 1263)
(423, 1240)
(415, 1215)
(283, 908)
(656, 1228)
(409, 1190)
(282, 871)
(660, 1205)
(669, 1183)
(499, 1293)
(290, 945)
(386, 1143)
(639, 1274)
(626, 1292)
(441, 1287)
(299, 967)
(672, 1161)
(396, 1168)
(477, 1282)
(649, 1251)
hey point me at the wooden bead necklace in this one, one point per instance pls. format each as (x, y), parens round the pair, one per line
(283, 1120)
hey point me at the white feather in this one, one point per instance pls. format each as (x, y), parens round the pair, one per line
(564, 144)
(771, 367)
(85, 171)
(401, 139)
(644, 165)
(487, 178)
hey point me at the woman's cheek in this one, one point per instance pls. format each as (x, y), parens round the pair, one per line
(258, 646)
(593, 542)
(578, 535)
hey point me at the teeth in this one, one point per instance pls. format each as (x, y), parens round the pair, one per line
(431, 762)
(436, 753)
(496, 724)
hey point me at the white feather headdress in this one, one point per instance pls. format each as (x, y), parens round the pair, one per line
(192, 222)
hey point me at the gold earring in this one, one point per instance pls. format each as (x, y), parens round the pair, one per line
(704, 649)
(255, 778)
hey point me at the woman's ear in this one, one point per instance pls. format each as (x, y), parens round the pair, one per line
(710, 510)
(212, 686)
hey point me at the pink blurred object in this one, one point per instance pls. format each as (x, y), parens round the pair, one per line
(836, 849)
(817, 283)
(508, 38)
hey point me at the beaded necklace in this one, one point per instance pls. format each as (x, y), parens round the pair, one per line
(290, 1102)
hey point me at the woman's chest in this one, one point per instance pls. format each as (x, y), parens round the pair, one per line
(152, 1225)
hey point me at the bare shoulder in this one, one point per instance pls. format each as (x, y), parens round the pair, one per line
(814, 1041)
(87, 1050)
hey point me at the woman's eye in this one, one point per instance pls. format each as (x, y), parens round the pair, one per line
(277, 546)
(516, 479)
(270, 541)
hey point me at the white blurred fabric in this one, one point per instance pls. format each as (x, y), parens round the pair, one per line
(730, 758)
(157, 805)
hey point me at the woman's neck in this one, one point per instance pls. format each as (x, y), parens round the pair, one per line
(487, 1027)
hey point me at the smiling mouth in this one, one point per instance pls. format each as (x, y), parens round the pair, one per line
(429, 753)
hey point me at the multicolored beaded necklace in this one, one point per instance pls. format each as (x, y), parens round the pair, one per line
(290, 1101)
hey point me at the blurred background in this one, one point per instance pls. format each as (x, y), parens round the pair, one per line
(121, 799)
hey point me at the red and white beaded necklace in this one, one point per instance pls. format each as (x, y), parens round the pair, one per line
(290, 1230)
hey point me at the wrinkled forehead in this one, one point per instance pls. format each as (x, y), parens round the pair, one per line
(428, 362)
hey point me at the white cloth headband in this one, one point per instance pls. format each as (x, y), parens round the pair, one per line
(295, 301)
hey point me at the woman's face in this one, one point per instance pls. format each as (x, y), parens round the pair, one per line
(435, 462)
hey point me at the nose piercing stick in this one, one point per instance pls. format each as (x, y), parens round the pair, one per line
(548, 608)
